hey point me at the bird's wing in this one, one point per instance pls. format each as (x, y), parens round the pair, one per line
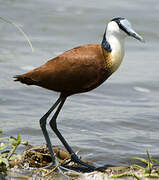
(75, 70)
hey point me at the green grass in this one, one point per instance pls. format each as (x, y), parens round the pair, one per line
(8, 146)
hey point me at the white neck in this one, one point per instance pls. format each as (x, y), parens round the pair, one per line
(117, 54)
(116, 40)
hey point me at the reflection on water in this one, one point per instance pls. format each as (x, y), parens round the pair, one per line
(119, 119)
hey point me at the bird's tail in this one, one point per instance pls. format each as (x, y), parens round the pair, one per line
(24, 80)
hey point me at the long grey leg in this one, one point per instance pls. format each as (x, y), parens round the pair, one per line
(44, 130)
(53, 125)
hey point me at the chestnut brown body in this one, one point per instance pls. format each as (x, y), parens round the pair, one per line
(78, 70)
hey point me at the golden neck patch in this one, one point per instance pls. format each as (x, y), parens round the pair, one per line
(107, 58)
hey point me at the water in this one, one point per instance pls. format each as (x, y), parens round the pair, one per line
(116, 121)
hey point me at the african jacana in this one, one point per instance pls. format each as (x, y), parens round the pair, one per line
(79, 70)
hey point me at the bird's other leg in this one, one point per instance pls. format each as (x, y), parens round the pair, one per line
(44, 130)
(74, 157)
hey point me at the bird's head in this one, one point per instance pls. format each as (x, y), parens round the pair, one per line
(121, 28)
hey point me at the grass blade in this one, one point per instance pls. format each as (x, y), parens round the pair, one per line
(140, 159)
(155, 161)
(20, 29)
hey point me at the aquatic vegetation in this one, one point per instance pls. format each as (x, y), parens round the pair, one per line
(8, 146)
(151, 169)
(139, 172)
(34, 159)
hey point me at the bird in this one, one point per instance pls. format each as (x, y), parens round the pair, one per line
(80, 70)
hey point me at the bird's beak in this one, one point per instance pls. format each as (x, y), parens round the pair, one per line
(125, 26)
(134, 34)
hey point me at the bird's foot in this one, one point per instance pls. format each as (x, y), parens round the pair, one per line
(77, 160)
(84, 167)
(103, 168)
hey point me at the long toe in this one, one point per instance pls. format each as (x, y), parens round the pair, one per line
(103, 168)
(78, 168)
(83, 167)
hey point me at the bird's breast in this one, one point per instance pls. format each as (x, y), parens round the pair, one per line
(117, 53)
(116, 58)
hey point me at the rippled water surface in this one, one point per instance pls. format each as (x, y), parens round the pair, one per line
(118, 120)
